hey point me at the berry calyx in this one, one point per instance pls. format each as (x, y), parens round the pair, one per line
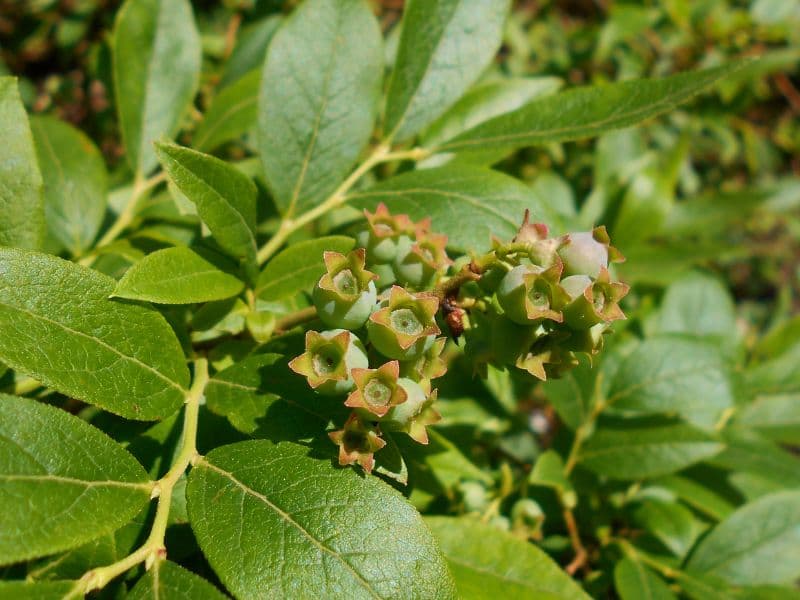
(328, 360)
(529, 293)
(597, 302)
(405, 325)
(358, 441)
(427, 366)
(346, 293)
(419, 262)
(415, 414)
(377, 390)
(383, 231)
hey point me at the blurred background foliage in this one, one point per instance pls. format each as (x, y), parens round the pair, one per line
(704, 202)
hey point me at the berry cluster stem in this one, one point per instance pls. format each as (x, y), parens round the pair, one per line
(289, 225)
(153, 549)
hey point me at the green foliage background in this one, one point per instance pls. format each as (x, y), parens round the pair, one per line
(666, 468)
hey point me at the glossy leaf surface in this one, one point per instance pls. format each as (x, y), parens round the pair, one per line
(176, 276)
(313, 127)
(156, 50)
(21, 200)
(63, 481)
(117, 355)
(75, 182)
(296, 527)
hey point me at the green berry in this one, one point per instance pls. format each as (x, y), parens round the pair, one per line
(358, 441)
(415, 414)
(419, 262)
(377, 390)
(587, 252)
(345, 295)
(404, 327)
(596, 303)
(529, 294)
(328, 360)
(383, 234)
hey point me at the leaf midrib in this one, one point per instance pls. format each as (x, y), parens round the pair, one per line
(651, 110)
(87, 483)
(287, 518)
(101, 343)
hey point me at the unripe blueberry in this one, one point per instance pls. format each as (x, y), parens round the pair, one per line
(358, 441)
(345, 295)
(413, 415)
(586, 252)
(377, 390)
(382, 234)
(597, 302)
(405, 325)
(541, 249)
(509, 340)
(529, 293)
(328, 360)
(384, 273)
(547, 357)
(417, 263)
(429, 365)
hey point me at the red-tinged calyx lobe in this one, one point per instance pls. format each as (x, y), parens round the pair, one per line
(429, 365)
(403, 327)
(328, 360)
(529, 293)
(382, 233)
(345, 295)
(593, 302)
(346, 276)
(377, 390)
(358, 441)
(421, 259)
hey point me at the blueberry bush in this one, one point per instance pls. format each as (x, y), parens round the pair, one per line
(428, 299)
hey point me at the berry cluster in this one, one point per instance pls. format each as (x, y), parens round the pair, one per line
(382, 349)
(539, 300)
(532, 303)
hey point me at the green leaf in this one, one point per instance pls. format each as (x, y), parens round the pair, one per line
(549, 472)
(232, 113)
(468, 204)
(573, 395)
(700, 496)
(176, 276)
(63, 481)
(225, 198)
(60, 328)
(250, 50)
(485, 101)
(488, 563)
(21, 200)
(298, 267)
(671, 523)
(634, 581)
(444, 46)
(698, 304)
(156, 51)
(757, 544)
(746, 452)
(39, 590)
(261, 397)
(775, 417)
(298, 527)
(673, 375)
(75, 183)
(587, 111)
(319, 97)
(637, 450)
(168, 581)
